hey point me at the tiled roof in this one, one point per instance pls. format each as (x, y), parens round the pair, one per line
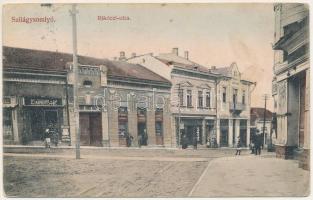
(225, 71)
(171, 58)
(258, 113)
(56, 61)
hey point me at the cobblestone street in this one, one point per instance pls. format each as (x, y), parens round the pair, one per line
(151, 173)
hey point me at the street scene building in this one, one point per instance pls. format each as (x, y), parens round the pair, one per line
(192, 95)
(114, 100)
(210, 104)
(233, 106)
(291, 91)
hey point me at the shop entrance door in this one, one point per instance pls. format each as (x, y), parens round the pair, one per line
(142, 133)
(90, 129)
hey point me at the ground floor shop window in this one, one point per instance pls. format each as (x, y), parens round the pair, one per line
(159, 126)
(41, 118)
(7, 124)
(210, 134)
(122, 126)
(243, 132)
(224, 133)
(142, 126)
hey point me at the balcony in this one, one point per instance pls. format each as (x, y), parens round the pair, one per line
(282, 67)
(236, 107)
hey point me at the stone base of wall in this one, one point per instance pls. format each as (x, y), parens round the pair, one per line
(304, 159)
(105, 143)
(285, 152)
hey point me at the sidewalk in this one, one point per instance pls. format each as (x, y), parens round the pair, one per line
(252, 176)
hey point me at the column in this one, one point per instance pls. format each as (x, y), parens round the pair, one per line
(15, 126)
(151, 127)
(133, 126)
(248, 132)
(173, 132)
(218, 131)
(112, 127)
(72, 125)
(105, 129)
(203, 132)
(65, 126)
(237, 130)
(169, 139)
(230, 133)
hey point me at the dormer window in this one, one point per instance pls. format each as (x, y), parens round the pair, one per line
(87, 83)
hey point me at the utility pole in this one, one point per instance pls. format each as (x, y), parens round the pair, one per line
(73, 13)
(265, 97)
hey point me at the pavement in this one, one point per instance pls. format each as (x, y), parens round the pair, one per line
(249, 176)
(128, 172)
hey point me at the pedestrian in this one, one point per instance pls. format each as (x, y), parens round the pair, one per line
(184, 141)
(139, 140)
(252, 147)
(238, 149)
(129, 139)
(257, 145)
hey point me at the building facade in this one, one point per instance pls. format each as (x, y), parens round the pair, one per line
(199, 105)
(291, 81)
(115, 99)
(233, 107)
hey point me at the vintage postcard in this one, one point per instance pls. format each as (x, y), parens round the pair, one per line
(176, 99)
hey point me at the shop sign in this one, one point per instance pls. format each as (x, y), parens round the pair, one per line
(35, 101)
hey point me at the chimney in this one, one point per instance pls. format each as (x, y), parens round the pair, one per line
(122, 56)
(133, 55)
(175, 51)
(213, 67)
(187, 55)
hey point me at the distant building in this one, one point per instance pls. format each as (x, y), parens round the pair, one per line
(207, 102)
(257, 123)
(115, 99)
(291, 81)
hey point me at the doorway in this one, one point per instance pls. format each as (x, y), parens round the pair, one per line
(90, 129)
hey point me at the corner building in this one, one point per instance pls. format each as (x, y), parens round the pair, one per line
(291, 82)
(115, 99)
(213, 104)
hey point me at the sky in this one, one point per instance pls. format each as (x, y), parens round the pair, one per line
(214, 34)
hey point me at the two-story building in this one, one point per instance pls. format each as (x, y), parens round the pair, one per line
(212, 103)
(192, 94)
(233, 106)
(291, 81)
(115, 99)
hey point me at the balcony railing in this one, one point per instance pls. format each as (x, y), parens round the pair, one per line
(236, 106)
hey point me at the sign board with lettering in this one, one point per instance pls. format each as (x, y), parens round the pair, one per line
(42, 101)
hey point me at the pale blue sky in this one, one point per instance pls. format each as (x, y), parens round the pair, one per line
(214, 34)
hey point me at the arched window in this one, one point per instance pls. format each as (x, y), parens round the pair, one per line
(87, 83)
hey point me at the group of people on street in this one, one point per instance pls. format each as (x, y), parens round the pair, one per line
(256, 145)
